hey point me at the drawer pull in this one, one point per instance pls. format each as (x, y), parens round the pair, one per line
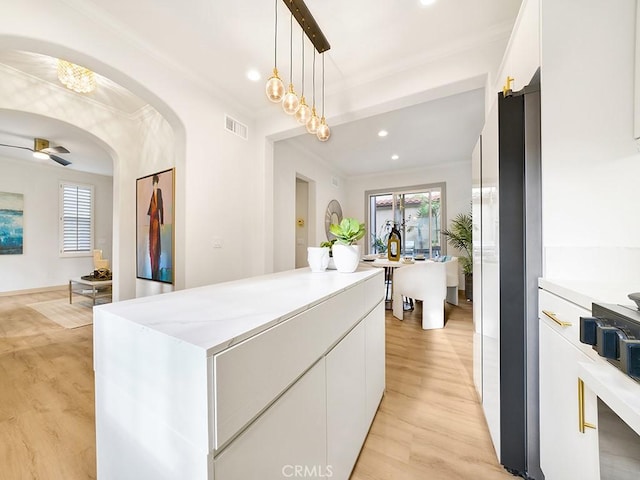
(553, 317)
(582, 425)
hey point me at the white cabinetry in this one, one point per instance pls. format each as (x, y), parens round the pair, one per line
(486, 288)
(346, 390)
(566, 452)
(374, 361)
(289, 435)
(268, 377)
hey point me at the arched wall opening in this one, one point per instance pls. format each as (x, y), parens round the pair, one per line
(139, 144)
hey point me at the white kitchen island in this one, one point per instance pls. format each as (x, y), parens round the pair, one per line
(263, 378)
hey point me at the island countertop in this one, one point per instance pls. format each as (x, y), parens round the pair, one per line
(215, 317)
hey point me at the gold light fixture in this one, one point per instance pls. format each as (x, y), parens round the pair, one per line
(275, 87)
(323, 133)
(314, 121)
(290, 102)
(76, 78)
(304, 112)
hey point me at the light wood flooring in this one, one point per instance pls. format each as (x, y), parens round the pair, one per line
(429, 425)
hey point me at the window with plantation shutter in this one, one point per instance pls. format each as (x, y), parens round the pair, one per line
(76, 219)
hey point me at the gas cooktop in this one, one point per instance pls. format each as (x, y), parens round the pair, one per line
(614, 332)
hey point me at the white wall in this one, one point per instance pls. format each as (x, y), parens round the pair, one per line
(41, 265)
(212, 165)
(591, 164)
(457, 177)
(442, 76)
(140, 144)
(291, 162)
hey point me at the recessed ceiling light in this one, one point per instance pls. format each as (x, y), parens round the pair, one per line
(394, 157)
(253, 75)
(426, 3)
(383, 133)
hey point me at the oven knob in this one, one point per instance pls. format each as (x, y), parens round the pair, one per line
(630, 357)
(588, 327)
(607, 341)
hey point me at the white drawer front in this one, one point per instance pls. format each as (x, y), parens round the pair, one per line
(250, 375)
(291, 434)
(564, 317)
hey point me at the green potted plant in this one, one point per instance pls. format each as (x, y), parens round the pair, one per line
(346, 254)
(460, 235)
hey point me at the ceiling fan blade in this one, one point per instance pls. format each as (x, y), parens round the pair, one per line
(60, 160)
(58, 149)
(16, 146)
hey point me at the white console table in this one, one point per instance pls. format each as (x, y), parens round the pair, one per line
(251, 379)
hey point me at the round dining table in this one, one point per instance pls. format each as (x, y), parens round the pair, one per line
(389, 267)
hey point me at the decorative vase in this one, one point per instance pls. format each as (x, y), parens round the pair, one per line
(318, 258)
(346, 257)
(332, 264)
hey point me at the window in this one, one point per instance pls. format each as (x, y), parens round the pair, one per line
(76, 219)
(417, 212)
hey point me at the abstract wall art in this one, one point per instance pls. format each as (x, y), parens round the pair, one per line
(11, 223)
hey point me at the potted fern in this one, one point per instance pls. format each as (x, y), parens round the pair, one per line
(459, 235)
(346, 254)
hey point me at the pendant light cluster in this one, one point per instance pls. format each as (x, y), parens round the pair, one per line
(275, 89)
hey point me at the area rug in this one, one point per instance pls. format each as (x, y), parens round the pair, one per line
(65, 314)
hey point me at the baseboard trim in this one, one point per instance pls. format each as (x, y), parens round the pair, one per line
(35, 290)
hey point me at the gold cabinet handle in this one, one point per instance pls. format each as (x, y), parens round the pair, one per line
(553, 317)
(582, 425)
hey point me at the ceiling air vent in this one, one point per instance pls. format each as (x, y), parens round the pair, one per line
(234, 126)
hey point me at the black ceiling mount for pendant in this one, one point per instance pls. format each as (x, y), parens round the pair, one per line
(308, 24)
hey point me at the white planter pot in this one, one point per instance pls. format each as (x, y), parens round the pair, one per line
(346, 257)
(318, 258)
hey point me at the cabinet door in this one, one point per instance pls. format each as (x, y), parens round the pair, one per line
(489, 294)
(346, 404)
(375, 360)
(290, 436)
(565, 452)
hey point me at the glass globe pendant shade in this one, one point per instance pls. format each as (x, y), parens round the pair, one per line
(275, 87)
(304, 112)
(313, 123)
(323, 133)
(290, 102)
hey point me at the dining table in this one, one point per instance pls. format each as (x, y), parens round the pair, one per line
(389, 267)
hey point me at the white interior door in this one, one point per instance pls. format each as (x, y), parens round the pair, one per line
(302, 222)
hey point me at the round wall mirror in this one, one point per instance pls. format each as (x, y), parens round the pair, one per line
(333, 215)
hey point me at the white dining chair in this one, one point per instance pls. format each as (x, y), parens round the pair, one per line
(452, 280)
(426, 281)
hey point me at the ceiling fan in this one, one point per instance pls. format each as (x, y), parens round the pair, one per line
(43, 151)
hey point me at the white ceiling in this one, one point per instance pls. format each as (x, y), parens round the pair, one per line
(217, 42)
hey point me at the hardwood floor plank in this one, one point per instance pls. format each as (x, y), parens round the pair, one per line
(429, 425)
